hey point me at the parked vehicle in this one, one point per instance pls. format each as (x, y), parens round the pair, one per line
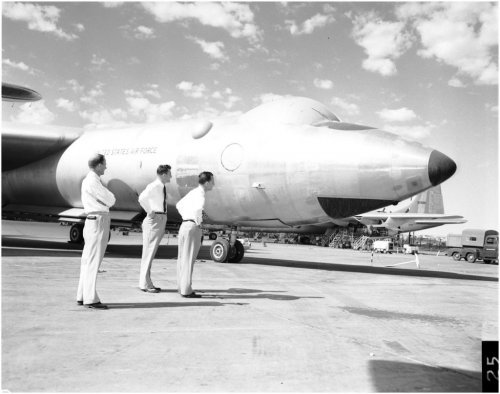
(410, 249)
(474, 245)
(246, 243)
(383, 246)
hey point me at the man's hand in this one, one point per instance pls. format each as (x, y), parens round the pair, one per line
(151, 215)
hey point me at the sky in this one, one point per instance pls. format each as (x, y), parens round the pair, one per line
(425, 71)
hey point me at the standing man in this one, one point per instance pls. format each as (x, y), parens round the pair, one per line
(154, 201)
(191, 209)
(96, 200)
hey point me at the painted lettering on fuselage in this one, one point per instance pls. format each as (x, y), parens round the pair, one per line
(129, 151)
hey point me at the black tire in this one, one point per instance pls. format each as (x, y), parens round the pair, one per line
(219, 250)
(236, 253)
(456, 256)
(76, 234)
(212, 236)
(471, 257)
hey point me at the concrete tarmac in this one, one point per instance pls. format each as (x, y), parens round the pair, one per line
(289, 318)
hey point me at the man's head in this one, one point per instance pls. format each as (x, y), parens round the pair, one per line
(163, 173)
(206, 180)
(97, 163)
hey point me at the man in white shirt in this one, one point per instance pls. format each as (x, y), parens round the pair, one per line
(154, 201)
(191, 209)
(96, 200)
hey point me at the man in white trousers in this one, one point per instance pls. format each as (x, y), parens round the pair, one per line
(191, 209)
(96, 200)
(154, 201)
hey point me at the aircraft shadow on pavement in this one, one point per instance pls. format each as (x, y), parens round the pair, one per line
(395, 376)
(34, 247)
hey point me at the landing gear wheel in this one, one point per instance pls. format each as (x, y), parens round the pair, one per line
(236, 253)
(456, 256)
(76, 234)
(471, 258)
(219, 250)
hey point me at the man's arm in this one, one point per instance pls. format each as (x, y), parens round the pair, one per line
(103, 195)
(143, 199)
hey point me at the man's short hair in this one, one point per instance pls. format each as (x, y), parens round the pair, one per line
(95, 160)
(163, 169)
(205, 177)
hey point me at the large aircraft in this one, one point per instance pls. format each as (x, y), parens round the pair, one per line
(423, 211)
(289, 165)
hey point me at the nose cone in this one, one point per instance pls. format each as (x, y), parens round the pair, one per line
(441, 167)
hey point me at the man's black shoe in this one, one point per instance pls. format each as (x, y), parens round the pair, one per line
(79, 302)
(192, 295)
(153, 290)
(96, 305)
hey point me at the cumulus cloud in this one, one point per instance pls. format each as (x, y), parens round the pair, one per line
(19, 66)
(462, 35)
(323, 83)
(311, 24)
(382, 41)
(144, 33)
(348, 108)
(112, 4)
(191, 90)
(143, 109)
(268, 97)
(75, 86)
(492, 107)
(236, 18)
(90, 96)
(397, 115)
(39, 17)
(456, 83)
(214, 49)
(227, 97)
(65, 104)
(98, 62)
(34, 113)
(104, 118)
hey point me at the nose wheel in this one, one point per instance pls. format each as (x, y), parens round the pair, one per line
(222, 252)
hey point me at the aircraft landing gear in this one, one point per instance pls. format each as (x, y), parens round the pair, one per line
(76, 234)
(230, 251)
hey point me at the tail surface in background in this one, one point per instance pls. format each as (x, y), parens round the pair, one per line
(430, 201)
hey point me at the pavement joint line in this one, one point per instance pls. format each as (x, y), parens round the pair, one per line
(406, 262)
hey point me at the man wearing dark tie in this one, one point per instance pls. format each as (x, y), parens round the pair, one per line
(154, 201)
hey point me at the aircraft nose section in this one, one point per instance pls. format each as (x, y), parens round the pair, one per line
(441, 167)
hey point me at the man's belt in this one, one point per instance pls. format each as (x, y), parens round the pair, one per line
(160, 213)
(189, 220)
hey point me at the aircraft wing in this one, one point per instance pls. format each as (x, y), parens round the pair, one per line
(413, 216)
(437, 221)
(65, 214)
(23, 144)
